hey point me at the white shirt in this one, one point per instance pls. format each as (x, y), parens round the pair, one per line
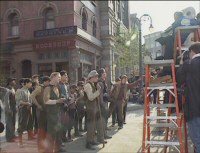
(197, 55)
(90, 94)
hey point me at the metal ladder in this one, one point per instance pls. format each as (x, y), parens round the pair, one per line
(169, 122)
(177, 41)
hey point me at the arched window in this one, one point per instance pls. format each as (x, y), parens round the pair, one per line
(14, 24)
(94, 28)
(84, 20)
(49, 18)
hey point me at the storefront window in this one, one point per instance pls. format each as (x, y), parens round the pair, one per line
(45, 69)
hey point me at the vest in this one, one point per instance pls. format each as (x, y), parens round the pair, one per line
(93, 90)
(39, 97)
(53, 96)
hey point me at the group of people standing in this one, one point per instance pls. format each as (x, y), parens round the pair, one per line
(53, 108)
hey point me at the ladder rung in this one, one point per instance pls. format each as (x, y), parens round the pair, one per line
(187, 28)
(161, 117)
(161, 86)
(163, 143)
(160, 62)
(162, 105)
(165, 125)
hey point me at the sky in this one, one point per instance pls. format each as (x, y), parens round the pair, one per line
(161, 12)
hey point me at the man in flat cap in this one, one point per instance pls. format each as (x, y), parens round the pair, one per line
(10, 110)
(92, 108)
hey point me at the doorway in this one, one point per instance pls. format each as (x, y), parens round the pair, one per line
(26, 69)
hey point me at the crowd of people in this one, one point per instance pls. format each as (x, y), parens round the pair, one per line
(49, 107)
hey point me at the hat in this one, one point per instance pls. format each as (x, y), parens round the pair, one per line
(73, 86)
(124, 76)
(93, 73)
(80, 83)
(10, 79)
(35, 76)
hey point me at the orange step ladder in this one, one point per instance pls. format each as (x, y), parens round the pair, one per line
(177, 41)
(170, 122)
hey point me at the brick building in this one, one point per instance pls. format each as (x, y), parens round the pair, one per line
(38, 37)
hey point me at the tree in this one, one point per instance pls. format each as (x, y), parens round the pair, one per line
(127, 48)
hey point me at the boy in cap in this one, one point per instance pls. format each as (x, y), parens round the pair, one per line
(80, 103)
(92, 108)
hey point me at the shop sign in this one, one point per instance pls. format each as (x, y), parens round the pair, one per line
(54, 44)
(55, 32)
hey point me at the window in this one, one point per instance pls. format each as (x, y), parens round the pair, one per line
(45, 69)
(113, 3)
(49, 18)
(14, 24)
(118, 10)
(94, 26)
(84, 20)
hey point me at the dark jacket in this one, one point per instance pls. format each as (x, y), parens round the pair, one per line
(189, 74)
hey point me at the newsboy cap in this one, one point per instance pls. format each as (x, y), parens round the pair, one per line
(93, 73)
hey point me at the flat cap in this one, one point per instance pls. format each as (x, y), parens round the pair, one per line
(93, 73)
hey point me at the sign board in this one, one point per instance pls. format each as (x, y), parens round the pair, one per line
(54, 44)
(55, 32)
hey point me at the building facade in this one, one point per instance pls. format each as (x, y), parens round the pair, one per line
(152, 46)
(38, 37)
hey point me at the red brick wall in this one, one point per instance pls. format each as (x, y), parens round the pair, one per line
(68, 15)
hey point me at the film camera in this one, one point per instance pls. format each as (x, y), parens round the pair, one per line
(185, 54)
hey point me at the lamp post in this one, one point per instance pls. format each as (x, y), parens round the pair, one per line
(138, 22)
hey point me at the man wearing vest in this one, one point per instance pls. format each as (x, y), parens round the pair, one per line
(103, 100)
(37, 97)
(92, 108)
(54, 103)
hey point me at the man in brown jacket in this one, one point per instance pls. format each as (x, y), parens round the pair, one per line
(120, 97)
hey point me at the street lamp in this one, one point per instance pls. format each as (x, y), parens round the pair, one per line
(138, 22)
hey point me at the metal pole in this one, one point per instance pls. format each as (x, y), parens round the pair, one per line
(140, 53)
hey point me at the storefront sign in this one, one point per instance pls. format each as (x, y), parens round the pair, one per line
(55, 31)
(56, 44)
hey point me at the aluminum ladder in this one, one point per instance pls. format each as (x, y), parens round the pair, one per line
(169, 122)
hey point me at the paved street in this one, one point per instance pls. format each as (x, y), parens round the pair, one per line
(126, 140)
